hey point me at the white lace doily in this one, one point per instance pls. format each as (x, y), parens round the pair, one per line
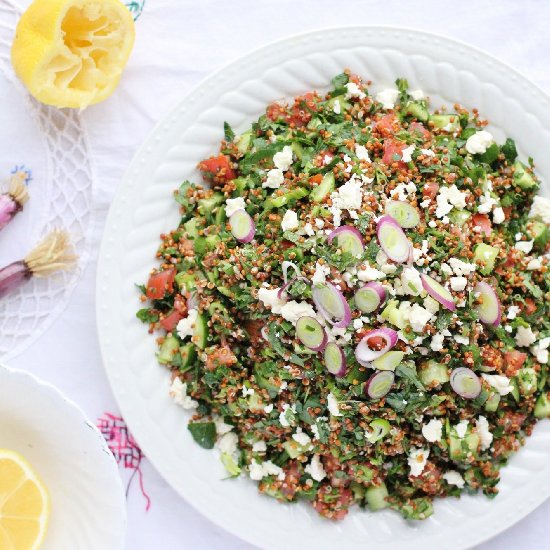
(51, 146)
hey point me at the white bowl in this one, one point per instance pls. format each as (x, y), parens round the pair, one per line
(447, 71)
(88, 506)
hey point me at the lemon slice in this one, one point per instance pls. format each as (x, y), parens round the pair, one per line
(24, 504)
(71, 53)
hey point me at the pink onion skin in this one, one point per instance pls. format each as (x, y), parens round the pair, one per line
(346, 229)
(324, 341)
(379, 289)
(252, 231)
(487, 289)
(386, 219)
(346, 319)
(429, 288)
(343, 367)
(464, 371)
(8, 209)
(365, 355)
(282, 291)
(13, 276)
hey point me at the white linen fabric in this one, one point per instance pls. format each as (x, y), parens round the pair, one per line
(178, 43)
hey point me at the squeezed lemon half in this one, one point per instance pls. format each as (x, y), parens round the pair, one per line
(71, 53)
(24, 504)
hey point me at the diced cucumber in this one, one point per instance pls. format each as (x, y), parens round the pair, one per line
(191, 228)
(432, 374)
(230, 465)
(376, 496)
(187, 281)
(205, 244)
(394, 315)
(324, 189)
(485, 256)
(460, 448)
(417, 110)
(292, 195)
(241, 183)
(167, 350)
(200, 334)
(220, 217)
(207, 205)
(255, 403)
(492, 402)
(522, 178)
(515, 389)
(297, 149)
(344, 105)
(527, 380)
(459, 217)
(293, 448)
(449, 123)
(188, 354)
(266, 383)
(540, 233)
(542, 406)
(243, 142)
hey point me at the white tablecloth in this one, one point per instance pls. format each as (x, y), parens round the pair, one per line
(178, 43)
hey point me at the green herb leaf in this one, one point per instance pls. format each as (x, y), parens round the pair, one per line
(228, 132)
(147, 315)
(204, 433)
(509, 150)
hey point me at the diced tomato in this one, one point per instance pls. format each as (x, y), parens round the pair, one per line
(483, 222)
(170, 322)
(430, 190)
(221, 355)
(393, 147)
(254, 329)
(387, 125)
(160, 283)
(317, 178)
(275, 111)
(417, 128)
(376, 343)
(300, 114)
(529, 307)
(180, 304)
(285, 244)
(218, 167)
(513, 361)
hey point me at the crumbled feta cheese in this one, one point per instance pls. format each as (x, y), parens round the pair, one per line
(518, 236)
(302, 438)
(499, 382)
(508, 329)
(458, 283)
(293, 310)
(411, 282)
(186, 327)
(437, 342)
(482, 429)
(417, 461)
(357, 324)
(349, 196)
(369, 274)
(387, 97)
(460, 267)
(524, 246)
(418, 317)
(336, 215)
(452, 477)
(354, 91)
(336, 107)
(308, 230)
(332, 405)
(320, 275)
(178, 392)
(433, 430)
(464, 340)
(461, 428)
(540, 350)
(258, 471)
(268, 296)
(221, 427)
(283, 159)
(232, 205)
(512, 312)
(479, 142)
(268, 408)
(534, 264)
(259, 447)
(417, 95)
(447, 198)
(274, 179)
(431, 223)
(498, 215)
(362, 153)
(525, 336)
(406, 154)
(319, 223)
(427, 152)
(541, 208)
(290, 220)
(445, 268)
(327, 159)
(315, 468)
(227, 444)
(284, 415)
(247, 391)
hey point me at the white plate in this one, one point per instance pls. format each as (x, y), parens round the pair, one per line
(88, 506)
(143, 208)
